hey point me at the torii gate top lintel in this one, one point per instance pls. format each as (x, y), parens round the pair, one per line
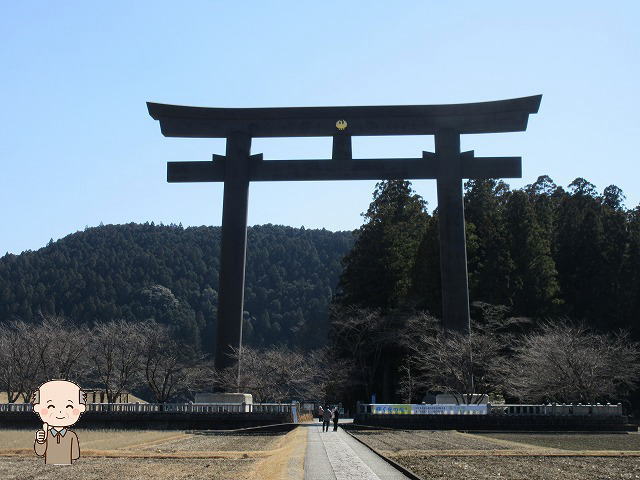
(465, 118)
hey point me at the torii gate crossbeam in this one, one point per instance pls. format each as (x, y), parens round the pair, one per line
(237, 168)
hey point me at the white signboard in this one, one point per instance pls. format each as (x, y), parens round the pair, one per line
(428, 409)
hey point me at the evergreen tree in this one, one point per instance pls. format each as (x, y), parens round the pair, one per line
(426, 291)
(546, 196)
(631, 274)
(491, 266)
(534, 287)
(580, 252)
(378, 270)
(614, 252)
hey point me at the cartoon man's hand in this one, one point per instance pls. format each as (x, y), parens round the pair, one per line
(41, 435)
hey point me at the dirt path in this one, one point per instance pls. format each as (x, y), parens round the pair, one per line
(284, 463)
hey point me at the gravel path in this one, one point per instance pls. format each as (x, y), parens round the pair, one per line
(336, 456)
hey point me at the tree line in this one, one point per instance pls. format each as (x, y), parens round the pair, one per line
(541, 251)
(405, 356)
(540, 258)
(148, 359)
(554, 280)
(116, 357)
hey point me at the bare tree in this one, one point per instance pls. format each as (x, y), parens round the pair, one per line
(449, 362)
(62, 348)
(168, 366)
(362, 335)
(18, 369)
(407, 385)
(8, 374)
(460, 364)
(34, 353)
(269, 375)
(330, 377)
(21, 371)
(281, 374)
(569, 363)
(200, 376)
(114, 352)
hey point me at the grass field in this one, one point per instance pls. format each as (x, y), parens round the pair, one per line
(573, 441)
(23, 468)
(89, 439)
(524, 456)
(115, 455)
(120, 454)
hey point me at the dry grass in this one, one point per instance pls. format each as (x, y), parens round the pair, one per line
(114, 455)
(522, 468)
(287, 463)
(458, 456)
(23, 468)
(572, 441)
(91, 439)
(399, 440)
(222, 442)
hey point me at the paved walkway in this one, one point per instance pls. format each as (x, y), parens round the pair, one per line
(336, 456)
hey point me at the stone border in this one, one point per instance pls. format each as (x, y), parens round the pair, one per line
(396, 465)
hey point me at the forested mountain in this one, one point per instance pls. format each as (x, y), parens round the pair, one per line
(170, 273)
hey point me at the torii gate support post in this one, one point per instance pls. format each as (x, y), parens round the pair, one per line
(233, 249)
(453, 249)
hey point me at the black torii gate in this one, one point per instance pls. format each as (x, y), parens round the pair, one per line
(238, 167)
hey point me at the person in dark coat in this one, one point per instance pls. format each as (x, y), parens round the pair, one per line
(336, 417)
(326, 419)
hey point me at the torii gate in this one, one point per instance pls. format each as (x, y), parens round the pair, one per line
(238, 167)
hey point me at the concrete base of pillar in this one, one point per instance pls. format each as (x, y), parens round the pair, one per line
(245, 399)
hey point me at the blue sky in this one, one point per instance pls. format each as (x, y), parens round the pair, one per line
(77, 146)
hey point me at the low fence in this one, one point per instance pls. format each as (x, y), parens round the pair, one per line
(422, 409)
(552, 417)
(552, 409)
(168, 407)
(163, 416)
(559, 409)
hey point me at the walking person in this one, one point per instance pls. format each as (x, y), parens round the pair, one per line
(326, 416)
(320, 413)
(336, 417)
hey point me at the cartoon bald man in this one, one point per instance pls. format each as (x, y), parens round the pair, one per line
(59, 403)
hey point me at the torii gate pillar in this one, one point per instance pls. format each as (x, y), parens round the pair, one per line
(233, 248)
(453, 249)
